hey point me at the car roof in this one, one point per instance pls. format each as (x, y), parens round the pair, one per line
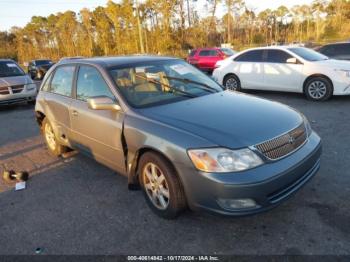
(7, 60)
(110, 61)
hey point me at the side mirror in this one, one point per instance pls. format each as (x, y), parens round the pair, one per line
(103, 103)
(292, 60)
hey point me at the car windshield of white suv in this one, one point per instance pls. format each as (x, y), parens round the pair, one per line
(161, 82)
(308, 54)
(8, 69)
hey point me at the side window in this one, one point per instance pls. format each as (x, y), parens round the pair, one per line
(329, 50)
(204, 53)
(343, 49)
(62, 80)
(213, 53)
(251, 56)
(91, 83)
(46, 86)
(277, 56)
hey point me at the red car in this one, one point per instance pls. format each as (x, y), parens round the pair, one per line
(206, 58)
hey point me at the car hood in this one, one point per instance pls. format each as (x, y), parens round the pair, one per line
(228, 119)
(335, 64)
(15, 81)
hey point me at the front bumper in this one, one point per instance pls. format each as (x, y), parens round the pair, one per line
(25, 95)
(268, 185)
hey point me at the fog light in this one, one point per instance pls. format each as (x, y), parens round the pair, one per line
(243, 203)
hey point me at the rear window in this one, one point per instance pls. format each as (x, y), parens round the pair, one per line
(9, 68)
(251, 56)
(208, 53)
(43, 62)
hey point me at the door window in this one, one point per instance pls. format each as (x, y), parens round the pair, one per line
(62, 80)
(91, 83)
(277, 56)
(251, 56)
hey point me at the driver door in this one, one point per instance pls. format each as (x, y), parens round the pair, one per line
(97, 132)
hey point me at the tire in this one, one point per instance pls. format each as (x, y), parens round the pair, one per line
(232, 82)
(52, 144)
(318, 89)
(168, 196)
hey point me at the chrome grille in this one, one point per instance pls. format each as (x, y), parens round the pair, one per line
(4, 90)
(17, 89)
(283, 145)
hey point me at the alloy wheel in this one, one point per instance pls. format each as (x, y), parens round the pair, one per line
(231, 84)
(317, 89)
(156, 186)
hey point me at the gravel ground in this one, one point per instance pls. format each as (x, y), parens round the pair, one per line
(77, 206)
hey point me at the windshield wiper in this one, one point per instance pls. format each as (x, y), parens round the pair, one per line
(186, 80)
(184, 93)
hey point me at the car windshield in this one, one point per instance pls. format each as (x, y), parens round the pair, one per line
(308, 54)
(227, 51)
(43, 62)
(161, 82)
(9, 68)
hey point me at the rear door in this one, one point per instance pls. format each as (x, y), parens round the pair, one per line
(57, 99)
(98, 132)
(249, 68)
(280, 75)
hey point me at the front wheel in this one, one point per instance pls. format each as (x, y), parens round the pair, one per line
(231, 82)
(162, 188)
(318, 89)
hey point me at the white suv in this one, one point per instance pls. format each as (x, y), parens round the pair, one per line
(283, 68)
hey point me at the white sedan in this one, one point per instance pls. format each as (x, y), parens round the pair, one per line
(289, 69)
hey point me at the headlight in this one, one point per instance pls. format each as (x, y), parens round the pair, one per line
(220, 160)
(30, 86)
(343, 72)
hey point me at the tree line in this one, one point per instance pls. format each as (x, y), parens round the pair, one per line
(172, 27)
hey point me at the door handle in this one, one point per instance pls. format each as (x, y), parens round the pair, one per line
(75, 113)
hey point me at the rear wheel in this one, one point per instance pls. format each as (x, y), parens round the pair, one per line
(231, 82)
(52, 143)
(318, 89)
(162, 188)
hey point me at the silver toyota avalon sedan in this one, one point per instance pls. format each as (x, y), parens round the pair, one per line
(15, 85)
(176, 134)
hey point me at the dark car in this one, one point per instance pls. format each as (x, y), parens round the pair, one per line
(175, 132)
(38, 68)
(206, 58)
(339, 51)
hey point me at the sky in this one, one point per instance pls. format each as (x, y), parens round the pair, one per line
(19, 12)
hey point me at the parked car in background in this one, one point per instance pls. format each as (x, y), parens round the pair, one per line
(286, 69)
(206, 58)
(339, 51)
(38, 68)
(15, 84)
(175, 132)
